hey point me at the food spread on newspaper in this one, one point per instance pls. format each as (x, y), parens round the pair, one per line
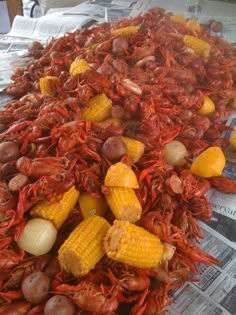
(214, 291)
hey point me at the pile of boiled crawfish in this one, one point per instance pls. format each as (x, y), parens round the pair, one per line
(156, 85)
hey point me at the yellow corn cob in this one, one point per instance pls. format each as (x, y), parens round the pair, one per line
(135, 148)
(124, 204)
(45, 85)
(99, 108)
(178, 18)
(56, 211)
(90, 205)
(79, 66)
(125, 30)
(133, 245)
(199, 46)
(121, 175)
(84, 246)
(193, 25)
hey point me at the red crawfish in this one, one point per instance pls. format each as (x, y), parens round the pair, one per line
(44, 188)
(223, 184)
(9, 257)
(45, 166)
(15, 308)
(192, 186)
(70, 134)
(89, 297)
(154, 301)
(8, 200)
(171, 234)
(129, 283)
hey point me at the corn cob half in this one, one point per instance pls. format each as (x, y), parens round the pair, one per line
(121, 175)
(124, 204)
(99, 108)
(199, 46)
(125, 30)
(84, 246)
(56, 211)
(135, 148)
(45, 82)
(79, 66)
(133, 245)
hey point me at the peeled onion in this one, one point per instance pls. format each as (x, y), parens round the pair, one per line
(175, 153)
(38, 237)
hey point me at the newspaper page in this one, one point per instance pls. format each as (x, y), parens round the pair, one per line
(58, 21)
(215, 292)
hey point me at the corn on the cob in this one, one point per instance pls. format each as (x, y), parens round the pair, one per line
(90, 205)
(193, 25)
(199, 46)
(44, 83)
(135, 148)
(99, 108)
(208, 106)
(133, 245)
(79, 66)
(124, 204)
(56, 211)
(125, 30)
(121, 175)
(178, 18)
(84, 246)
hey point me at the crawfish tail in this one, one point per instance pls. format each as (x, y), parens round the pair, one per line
(223, 184)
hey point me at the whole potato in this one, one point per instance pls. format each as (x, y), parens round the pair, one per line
(35, 287)
(114, 148)
(60, 305)
(9, 151)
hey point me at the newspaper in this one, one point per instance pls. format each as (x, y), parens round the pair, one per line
(58, 21)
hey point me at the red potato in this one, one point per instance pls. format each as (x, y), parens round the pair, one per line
(9, 151)
(35, 287)
(60, 305)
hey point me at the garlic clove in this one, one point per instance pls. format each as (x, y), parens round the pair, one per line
(38, 236)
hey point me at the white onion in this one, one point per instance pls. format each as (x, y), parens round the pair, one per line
(175, 153)
(38, 237)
